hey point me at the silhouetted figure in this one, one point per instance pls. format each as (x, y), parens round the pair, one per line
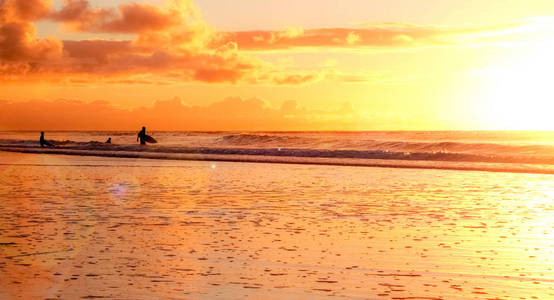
(44, 142)
(142, 136)
(109, 141)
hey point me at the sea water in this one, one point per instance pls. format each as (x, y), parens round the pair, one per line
(531, 152)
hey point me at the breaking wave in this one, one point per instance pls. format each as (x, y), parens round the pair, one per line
(342, 149)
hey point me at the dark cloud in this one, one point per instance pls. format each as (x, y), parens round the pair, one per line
(18, 41)
(79, 15)
(17, 11)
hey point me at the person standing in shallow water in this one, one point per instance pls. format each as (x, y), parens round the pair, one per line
(142, 136)
(44, 142)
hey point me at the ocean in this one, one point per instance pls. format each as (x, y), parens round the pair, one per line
(531, 152)
(196, 216)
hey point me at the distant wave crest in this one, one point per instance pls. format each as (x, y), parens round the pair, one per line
(267, 145)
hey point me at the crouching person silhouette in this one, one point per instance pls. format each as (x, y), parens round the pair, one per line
(43, 142)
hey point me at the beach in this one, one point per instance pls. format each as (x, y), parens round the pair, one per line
(103, 227)
(313, 149)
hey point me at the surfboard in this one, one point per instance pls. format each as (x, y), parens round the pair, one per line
(150, 139)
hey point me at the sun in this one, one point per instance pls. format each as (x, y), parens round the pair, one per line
(519, 94)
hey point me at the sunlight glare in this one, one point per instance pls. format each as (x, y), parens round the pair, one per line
(519, 94)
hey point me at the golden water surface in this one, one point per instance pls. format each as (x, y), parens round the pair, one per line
(85, 227)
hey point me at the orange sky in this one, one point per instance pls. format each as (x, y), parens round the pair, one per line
(276, 65)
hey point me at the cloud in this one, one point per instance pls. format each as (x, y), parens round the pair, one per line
(173, 43)
(13, 11)
(377, 36)
(18, 41)
(386, 36)
(232, 113)
(78, 15)
(177, 30)
(295, 79)
(96, 50)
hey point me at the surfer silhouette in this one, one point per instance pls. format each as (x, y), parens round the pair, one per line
(109, 141)
(44, 142)
(142, 136)
(145, 138)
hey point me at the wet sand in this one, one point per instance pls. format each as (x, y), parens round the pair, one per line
(86, 227)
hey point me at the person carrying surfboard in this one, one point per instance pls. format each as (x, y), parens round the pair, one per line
(142, 136)
(145, 138)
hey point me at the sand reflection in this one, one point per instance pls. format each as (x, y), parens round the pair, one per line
(104, 228)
